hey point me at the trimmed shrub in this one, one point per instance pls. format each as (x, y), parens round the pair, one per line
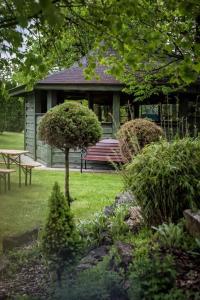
(135, 134)
(69, 125)
(165, 179)
(60, 241)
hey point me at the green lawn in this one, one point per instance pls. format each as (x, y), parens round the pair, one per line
(26, 207)
(12, 140)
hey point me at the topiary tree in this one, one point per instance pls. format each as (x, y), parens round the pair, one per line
(69, 125)
(60, 242)
(165, 178)
(135, 134)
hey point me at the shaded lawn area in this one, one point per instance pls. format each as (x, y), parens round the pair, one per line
(26, 207)
(11, 140)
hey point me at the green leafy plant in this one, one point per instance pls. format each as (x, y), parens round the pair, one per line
(69, 125)
(171, 235)
(150, 277)
(102, 229)
(135, 134)
(92, 232)
(118, 227)
(165, 178)
(60, 242)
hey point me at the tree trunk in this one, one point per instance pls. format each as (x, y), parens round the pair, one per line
(67, 175)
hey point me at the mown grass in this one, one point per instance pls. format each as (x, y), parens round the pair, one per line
(11, 140)
(26, 207)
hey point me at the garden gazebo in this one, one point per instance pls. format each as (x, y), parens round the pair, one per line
(103, 95)
(178, 112)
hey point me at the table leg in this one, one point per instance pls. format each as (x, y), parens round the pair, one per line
(6, 183)
(26, 175)
(8, 166)
(30, 178)
(20, 175)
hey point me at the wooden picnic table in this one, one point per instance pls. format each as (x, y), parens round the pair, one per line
(12, 157)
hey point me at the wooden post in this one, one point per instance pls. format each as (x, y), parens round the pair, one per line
(116, 113)
(90, 101)
(51, 102)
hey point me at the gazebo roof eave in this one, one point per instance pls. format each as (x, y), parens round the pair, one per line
(21, 90)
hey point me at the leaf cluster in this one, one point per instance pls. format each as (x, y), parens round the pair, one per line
(135, 134)
(151, 278)
(165, 178)
(70, 125)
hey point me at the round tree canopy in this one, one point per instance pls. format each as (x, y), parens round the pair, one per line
(70, 125)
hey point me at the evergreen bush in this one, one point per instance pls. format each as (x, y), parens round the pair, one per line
(135, 134)
(60, 242)
(165, 179)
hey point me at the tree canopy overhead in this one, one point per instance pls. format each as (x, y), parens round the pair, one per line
(154, 43)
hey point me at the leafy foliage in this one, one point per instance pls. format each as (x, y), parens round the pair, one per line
(11, 111)
(135, 134)
(103, 229)
(69, 125)
(173, 236)
(151, 278)
(164, 177)
(155, 45)
(60, 241)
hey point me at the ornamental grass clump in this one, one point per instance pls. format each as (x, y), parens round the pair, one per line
(135, 134)
(165, 179)
(69, 125)
(60, 241)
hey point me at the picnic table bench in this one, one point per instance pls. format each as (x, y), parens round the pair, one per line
(13, 157)
(106, 150)
(27, 169)
(3, 175)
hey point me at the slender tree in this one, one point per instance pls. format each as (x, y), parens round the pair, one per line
(69, 125)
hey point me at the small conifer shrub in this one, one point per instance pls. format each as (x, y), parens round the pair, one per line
(60, 242)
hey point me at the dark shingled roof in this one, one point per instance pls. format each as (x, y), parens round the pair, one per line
(74, 75)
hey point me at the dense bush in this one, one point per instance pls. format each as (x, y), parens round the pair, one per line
(165, 179)
(60, 241)
(69, 125)
(151, 278)
(11, 111)
(135, 134)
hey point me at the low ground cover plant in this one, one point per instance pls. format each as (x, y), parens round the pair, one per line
(103, 229)
(135, 134)
(165, 178)
(99, 283)
(173, 236)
